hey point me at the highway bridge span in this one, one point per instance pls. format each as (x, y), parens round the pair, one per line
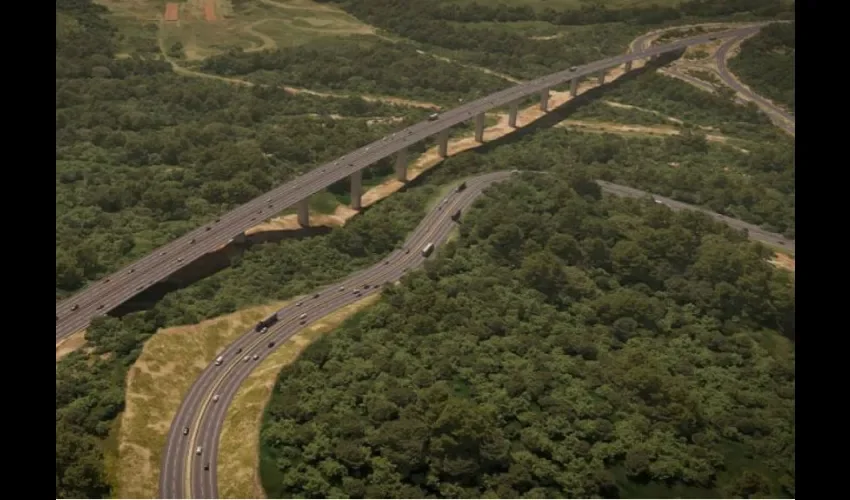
(75, 313)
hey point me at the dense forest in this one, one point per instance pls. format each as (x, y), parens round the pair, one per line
(144, 155)
(449, 25)
(564, 346)
(392, 69)
(766, 63)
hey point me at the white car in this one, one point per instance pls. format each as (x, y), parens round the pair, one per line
(247, 358)
(199, 450)
(216, 398)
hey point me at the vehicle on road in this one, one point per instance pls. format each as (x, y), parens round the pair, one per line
(573, 68)
(316, 296)
(461, 186)
(219, 360)
(427, 249)
(247, 358)
(185, 431)
(199, 450)
(75, 307)
(263, 325)
(302, 316)
(207, 466)
(256, 357)
(271, 344)
(216, 398)
(456, 215)
(433, 116)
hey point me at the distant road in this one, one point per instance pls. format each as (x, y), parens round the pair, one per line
(779, 116)
(75, 313)
(183, 474)
(754, 232)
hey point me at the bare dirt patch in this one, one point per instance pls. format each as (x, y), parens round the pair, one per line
(240, 438)
(171, 11)
(645, 130)
(784, 261)
(70, 344)
(429, 159)
(209, 11)
(156, 383)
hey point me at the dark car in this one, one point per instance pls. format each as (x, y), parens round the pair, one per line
(271, 344)
(207, 466)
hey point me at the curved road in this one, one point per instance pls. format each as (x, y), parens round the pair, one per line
(779, 116)
(183, 474)
(183, 470)
(75, 313)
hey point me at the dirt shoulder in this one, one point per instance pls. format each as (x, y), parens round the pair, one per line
(170, 363)
(239, 454)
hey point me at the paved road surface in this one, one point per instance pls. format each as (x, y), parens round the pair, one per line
(75, 313)
(779, 116)
(754, 232)
(183, 473)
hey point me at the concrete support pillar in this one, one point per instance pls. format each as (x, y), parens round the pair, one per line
(401, 165)
(443, 143)
(512, 114)
(628, 66)
(304, 213)
(356, 189)
(574, 86)
(544, 100)
(601, 77)
(479, 127)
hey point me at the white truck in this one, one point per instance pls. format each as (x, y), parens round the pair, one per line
(427, 249)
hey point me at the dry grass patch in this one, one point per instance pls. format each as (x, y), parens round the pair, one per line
(238, 459)
(170, 362)
(70, 344)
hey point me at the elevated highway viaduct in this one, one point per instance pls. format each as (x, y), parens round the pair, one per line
(75, 313)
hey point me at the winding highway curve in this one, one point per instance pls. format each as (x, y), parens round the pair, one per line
(75, 313)
(780, 117)
(183, 472)
(186, 474)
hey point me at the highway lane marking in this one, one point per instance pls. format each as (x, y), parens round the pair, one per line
(437, 229)
(305, 185)
(437, 232)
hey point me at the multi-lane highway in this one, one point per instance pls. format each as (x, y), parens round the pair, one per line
(75, 313)
(186, 474)
(183, 472)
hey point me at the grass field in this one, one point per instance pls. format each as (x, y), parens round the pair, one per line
(170, 362)
(256, 25)
(238, 460)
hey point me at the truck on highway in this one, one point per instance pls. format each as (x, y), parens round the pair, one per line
(266, 323)
(456, 215)
(427, 249)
